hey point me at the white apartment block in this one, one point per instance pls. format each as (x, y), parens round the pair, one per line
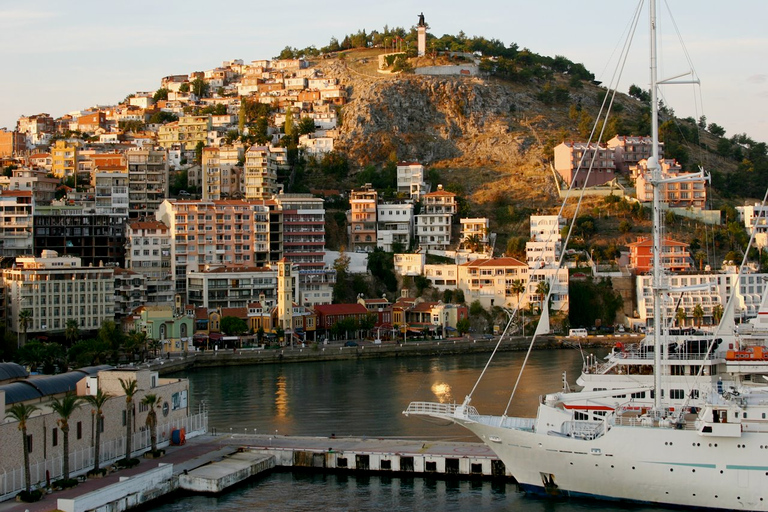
(433, 227)
(410, 180)
(56, 289)
(755, 219)
(545, 244)
(16, 210)
(111, 192)
(148, 252)
(316, 146)
(748, 290)
(231, 287)
(411, 264)
(394, 225)
(478, 227)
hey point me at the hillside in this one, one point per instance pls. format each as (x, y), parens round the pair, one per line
(488, 139)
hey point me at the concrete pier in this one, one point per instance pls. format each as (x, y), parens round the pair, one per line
(218, 476)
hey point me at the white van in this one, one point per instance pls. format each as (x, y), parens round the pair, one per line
(577, 333)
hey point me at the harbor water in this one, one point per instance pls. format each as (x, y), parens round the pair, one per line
(366, 398)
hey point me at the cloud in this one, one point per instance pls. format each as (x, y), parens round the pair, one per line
(757, 79)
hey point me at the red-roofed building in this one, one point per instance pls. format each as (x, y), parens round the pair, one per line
(329, 314)
(675, 256)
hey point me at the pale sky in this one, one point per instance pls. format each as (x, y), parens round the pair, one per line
(63, 56)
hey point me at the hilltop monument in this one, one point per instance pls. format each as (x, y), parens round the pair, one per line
(422, 37)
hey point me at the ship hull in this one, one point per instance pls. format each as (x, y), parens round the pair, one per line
(637, 464)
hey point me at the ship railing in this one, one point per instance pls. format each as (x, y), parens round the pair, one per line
(586, 430)
(439, 410)
(647, 421)
(505, 422)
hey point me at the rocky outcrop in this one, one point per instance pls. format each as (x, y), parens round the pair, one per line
(431, 119)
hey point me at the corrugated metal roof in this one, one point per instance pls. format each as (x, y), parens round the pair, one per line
(55, 384)
(10, 371)
(20, 391)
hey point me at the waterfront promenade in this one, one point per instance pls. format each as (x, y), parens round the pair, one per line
(364, 350)
(203, 450)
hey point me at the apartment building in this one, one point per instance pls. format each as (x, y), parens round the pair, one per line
(675, 256)
(11, 143)
(433, 226)
(545, 244)
(220, 179)
(755, 219)
(476, 229)
(628, 150)
(229, 233)
(188, 131)
(686, 194)
(260, 177)
(95, 235)
(148, 252)
(37, 129)
(361, 219)
(303, 217)
(64, 158)
(130, 292)
(410, 180)
(111, 192)
(395, 223)
(16, 214)
(234, 287)
(148, 174)
(573, 160)
(748, 289)
(56, 289)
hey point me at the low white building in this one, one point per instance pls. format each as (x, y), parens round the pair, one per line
(410, 264)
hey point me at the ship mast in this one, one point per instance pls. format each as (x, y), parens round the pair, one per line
(654, 168)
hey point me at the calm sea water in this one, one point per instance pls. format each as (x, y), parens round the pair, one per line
(366, 398)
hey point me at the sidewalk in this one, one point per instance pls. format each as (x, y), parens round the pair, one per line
(196, 451)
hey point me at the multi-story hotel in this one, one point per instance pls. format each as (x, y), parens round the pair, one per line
(236, 287)
(679, 195)
(148, 252)
(630, 149)
(56, 289)
(228, 233)
(675, 256)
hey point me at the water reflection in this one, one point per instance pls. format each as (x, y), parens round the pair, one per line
(367, 397)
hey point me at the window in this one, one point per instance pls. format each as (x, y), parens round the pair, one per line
(55, 437)
(79, 429)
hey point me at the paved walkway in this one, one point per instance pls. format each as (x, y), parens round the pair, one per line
(204, 449)
(196, 452)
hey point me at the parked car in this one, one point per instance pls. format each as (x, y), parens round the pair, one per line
(350, 344)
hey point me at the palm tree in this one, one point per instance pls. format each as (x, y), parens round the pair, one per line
(72, 331)
(151, 400)
(65, 407)
(130, 387)
(25, 320)
(22, 412)
(154, 345)
(97, 402)
(698, 314)
(137, 342)
(542, 289)
(717, 314)
(517, 287)
(680, 317)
